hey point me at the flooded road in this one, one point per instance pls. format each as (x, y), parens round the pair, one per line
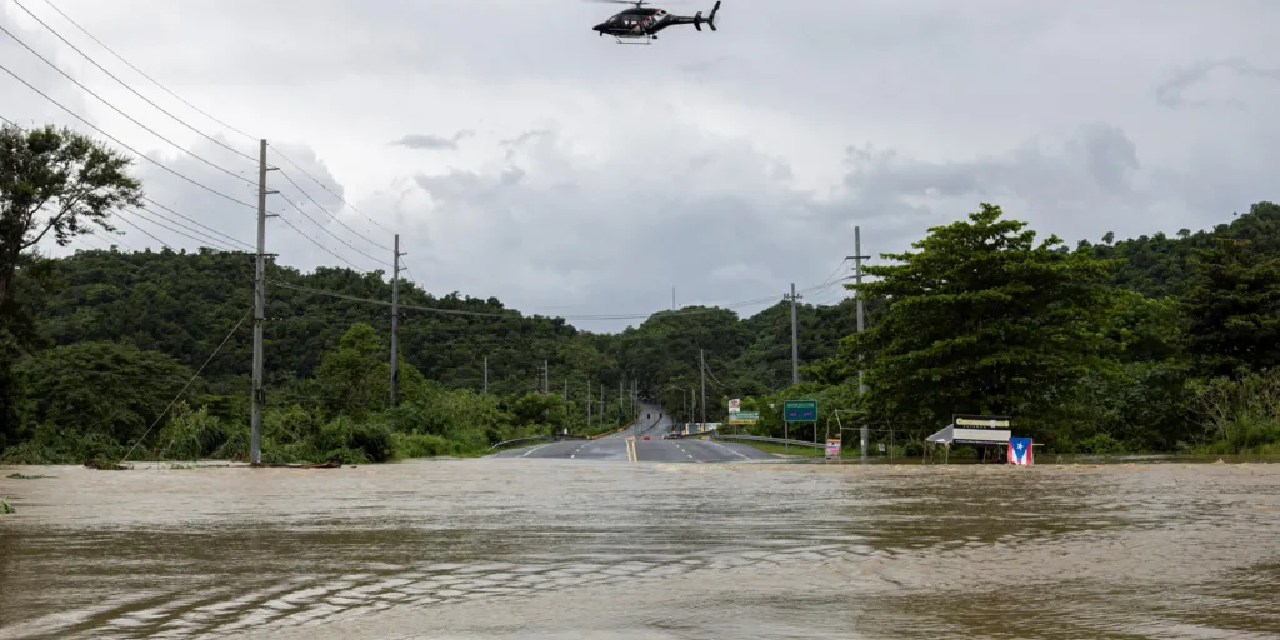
(550, 549)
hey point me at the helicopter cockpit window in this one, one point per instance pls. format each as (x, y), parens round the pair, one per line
(618, 19)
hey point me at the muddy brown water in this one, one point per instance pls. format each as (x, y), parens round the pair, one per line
(563, 549)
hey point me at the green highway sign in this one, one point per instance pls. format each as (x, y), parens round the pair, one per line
(800, 411)
(744, 417)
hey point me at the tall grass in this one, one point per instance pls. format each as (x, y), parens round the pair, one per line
(1240, 416)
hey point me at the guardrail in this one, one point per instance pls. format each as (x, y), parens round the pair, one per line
(554, 438)
(609, 433)
(798, 443)
(560, 436)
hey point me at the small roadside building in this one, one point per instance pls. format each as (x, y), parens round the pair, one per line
(990, 434)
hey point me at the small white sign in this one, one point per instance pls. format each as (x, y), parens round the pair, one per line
(735, 405)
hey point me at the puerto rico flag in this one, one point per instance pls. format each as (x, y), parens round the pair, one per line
(1020, 451)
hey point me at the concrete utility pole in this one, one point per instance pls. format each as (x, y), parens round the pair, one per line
(673, 298)
(395, 324)
(621, 411)
(689, 403)
(546, 379)
(259, 310)
(588, 403)
(857, 258)
(702, 365)
(693, 405)
(795, 349)
(486, 375)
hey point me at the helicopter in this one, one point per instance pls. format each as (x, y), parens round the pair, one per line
(641, 25)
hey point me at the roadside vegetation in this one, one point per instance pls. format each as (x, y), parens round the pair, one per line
(1155, 344)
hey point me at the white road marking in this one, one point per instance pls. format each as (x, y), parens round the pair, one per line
(736, 453)
(526, 455)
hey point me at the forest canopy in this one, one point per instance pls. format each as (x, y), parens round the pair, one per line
(1156, 343)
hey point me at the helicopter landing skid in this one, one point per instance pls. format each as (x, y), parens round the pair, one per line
(634, 39)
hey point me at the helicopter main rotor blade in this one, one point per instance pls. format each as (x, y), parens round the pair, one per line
(640, 2)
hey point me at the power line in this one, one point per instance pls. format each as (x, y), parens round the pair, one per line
(322, 186)
(131, 89)
(322, 247)
(186, 102)
(334, 294)
(143, 74)
(114, 239)
(192, 221)
(466, 313)
(295, 206)
(184, 387)
(205, 240)
(326, 212)
(121, 112)
(144, 232)
(117, 141)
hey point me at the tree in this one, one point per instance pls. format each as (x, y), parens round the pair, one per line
(55, 182)
(979, 320)
(114, 391)
(1235, 309)
(356, 379)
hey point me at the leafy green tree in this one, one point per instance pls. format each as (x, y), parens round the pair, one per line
(1133, 397)
(53, 183)
(980, 320)
(355, 379)
(1235, 309)
(109, 389)
(56, 183)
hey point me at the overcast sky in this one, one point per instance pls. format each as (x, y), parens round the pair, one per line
(520, 155)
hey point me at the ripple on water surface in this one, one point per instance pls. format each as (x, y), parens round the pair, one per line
(549, 549)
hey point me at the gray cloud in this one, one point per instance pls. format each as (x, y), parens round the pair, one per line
(1173, 92)
(416, 141)
(21, 103)
(728, 165)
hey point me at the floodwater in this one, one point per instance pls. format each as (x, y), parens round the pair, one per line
(520, 549)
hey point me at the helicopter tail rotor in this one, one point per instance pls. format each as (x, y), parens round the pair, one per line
(710, 20)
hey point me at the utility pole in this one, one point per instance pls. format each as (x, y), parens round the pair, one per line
(588, 403)
(546, 379)
(622, 413)
(857, 280)
(259, 310)
(702, 366)
(795, 350)
(395, 323)
(486, 375)
(673, 298)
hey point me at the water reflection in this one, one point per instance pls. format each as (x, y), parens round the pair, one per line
(554, 549)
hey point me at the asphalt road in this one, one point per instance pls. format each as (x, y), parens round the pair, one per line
(630, 445)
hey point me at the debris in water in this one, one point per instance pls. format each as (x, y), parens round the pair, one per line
(19, 476)
(323, 465)
(105, 466)
(6, 508)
